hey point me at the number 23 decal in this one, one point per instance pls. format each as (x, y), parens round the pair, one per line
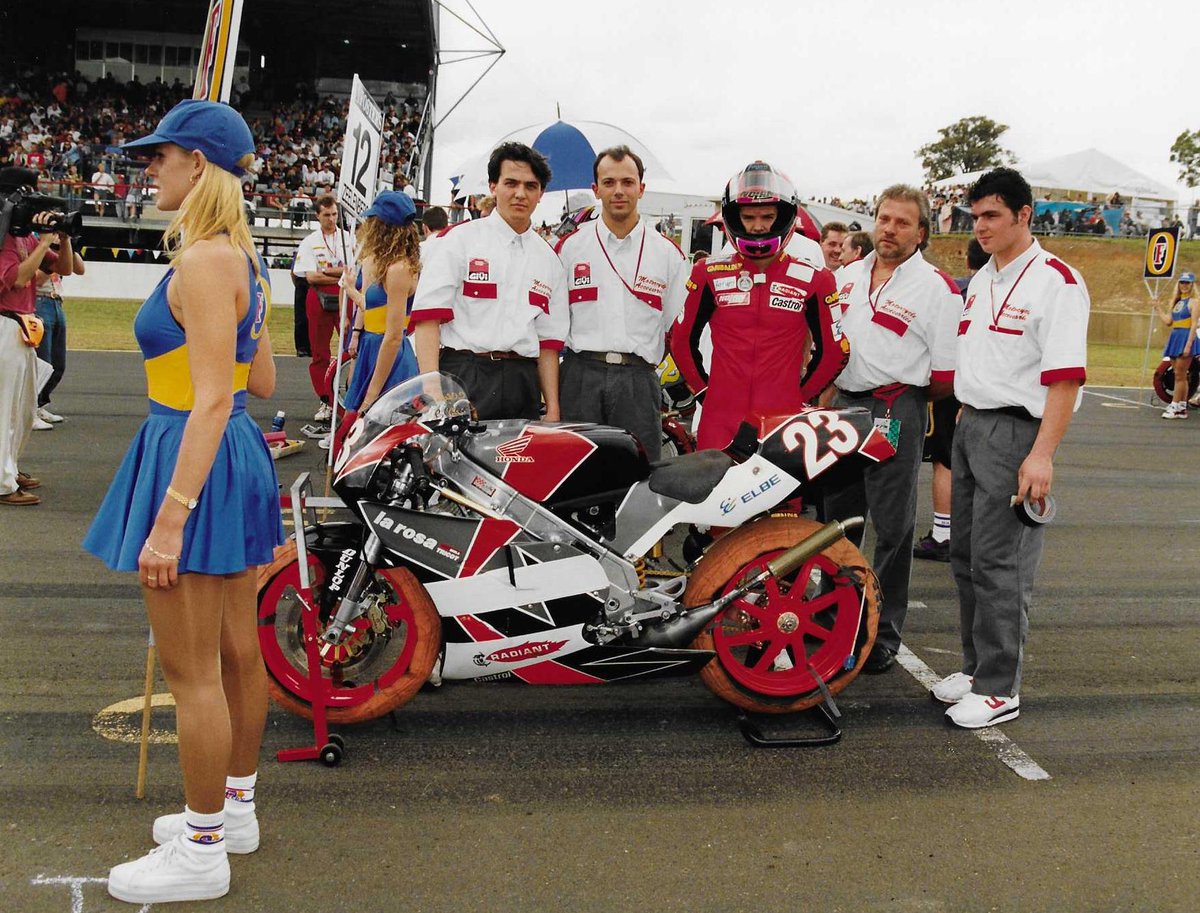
(823, 437)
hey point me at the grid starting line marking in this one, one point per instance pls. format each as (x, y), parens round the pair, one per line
(1009, 753)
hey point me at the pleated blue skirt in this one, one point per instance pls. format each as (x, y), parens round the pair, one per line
(237, 522)
(1176, 342)
(404, 367)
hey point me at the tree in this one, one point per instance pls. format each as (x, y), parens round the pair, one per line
(970, 144)
(1186, 153)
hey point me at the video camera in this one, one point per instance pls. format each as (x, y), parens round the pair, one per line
(18, 207)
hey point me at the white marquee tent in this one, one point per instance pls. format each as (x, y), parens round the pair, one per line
(1088, 173)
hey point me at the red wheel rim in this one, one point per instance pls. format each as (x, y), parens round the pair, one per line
(751, 634)
(281, 641)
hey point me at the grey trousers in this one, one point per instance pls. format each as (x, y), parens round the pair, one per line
(625, 396)
(993, 555)
(888, 492)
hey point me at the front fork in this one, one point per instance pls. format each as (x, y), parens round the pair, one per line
(352, 605)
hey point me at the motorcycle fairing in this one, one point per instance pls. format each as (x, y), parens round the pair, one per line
(558, 462)
(448, 546)
(746, 490)
(812, 442)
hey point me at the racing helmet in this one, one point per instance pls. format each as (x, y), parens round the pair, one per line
(756, 185)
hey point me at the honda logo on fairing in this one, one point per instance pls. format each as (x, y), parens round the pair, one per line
(510, 451)
(529, 650)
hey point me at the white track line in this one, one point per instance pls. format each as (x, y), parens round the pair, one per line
(1005, 748)
(1121, 399)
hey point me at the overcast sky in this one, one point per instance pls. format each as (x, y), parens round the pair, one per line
(838, 95)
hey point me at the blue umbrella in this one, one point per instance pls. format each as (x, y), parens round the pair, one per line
(570, 148)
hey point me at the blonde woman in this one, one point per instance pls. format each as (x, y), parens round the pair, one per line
(194, 506)
(389, 247)
(1182, 344)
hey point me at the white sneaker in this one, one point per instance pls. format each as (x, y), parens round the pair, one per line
(953, 688)
(324, 414)
(178, 870)
(976, 711)
(47, 416)
(325, 442)
(241, 829)
(40, 425)
(1175, 410)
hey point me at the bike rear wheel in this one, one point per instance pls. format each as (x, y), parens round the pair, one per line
(380, 664)
(773, 643)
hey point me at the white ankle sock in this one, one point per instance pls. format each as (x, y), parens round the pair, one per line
(239, 791)
(941, 527)
(204, 830)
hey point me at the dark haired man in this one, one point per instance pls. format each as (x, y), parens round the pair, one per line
(490, 305)
(1022, 356)
(320, 261)
(855, 246)
(899, 314)
(833, 234)
(625, 287)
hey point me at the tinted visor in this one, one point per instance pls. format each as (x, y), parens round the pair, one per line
(754, 186)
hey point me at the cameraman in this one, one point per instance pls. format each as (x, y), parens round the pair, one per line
(20, 258)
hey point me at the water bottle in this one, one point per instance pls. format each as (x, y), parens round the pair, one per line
(278, 420)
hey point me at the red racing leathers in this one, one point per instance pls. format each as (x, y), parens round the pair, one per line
(762, 324)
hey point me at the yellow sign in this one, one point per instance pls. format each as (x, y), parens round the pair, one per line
(1162, 245)
(214, 77)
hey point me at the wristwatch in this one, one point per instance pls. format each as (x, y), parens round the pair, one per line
(189, 503)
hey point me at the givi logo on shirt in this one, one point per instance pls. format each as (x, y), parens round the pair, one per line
(477, 270)
(583, 274)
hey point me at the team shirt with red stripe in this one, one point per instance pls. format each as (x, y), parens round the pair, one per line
(493, 290)
(1021, 329)
(624, 293)
(903, 331)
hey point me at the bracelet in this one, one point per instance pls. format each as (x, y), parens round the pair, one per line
(189, 503)
(356, 330)
(157, 554)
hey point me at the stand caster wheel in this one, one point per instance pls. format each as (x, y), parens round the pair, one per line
(331, 754)
(338, 741)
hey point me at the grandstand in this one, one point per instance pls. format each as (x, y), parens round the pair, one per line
(69, 97)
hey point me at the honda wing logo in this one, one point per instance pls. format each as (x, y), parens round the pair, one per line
(512, 451)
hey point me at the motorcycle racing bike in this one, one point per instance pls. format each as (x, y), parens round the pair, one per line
(515, 549)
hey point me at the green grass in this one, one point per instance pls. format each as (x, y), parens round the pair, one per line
(107, 323)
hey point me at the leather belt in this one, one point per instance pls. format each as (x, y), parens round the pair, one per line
(885, 390)
(613, 358)
(1014, 412)
(492, 356)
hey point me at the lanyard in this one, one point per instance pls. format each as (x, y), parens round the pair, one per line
(1003, 304)
(336, 258)
(637, 269)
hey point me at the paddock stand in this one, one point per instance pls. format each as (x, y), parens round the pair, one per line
(327, 746)
(825, 715)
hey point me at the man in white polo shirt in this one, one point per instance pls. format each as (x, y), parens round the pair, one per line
(1022, 356)
(899, 315)
(490, 305)
(625, 287)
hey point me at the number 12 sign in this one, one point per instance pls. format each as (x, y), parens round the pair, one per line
(360, 151)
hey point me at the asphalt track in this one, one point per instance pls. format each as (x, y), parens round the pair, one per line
(644, 797)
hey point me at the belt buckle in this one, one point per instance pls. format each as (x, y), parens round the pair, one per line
(493, 356)
(614, 358)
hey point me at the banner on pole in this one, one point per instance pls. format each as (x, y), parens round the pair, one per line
(1162, 248)
(360, 150)
(214, 76)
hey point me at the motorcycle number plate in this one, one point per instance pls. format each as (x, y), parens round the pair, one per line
(890, 429)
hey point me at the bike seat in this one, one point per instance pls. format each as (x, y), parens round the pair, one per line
(690, 477)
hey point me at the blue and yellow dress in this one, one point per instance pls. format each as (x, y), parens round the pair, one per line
(1181, 325)
(236, 523)
(369, 342)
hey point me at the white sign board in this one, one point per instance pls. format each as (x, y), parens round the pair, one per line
(360, 150)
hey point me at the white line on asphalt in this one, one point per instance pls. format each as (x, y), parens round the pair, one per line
(1006, 749)
(1121, 399)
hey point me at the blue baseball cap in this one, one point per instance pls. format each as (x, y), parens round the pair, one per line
(393, 207)
(208, 126)
(1188, 277)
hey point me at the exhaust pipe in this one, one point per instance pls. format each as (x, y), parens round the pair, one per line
(683, 628)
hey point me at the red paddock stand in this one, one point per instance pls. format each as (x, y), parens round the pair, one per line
(326, 746)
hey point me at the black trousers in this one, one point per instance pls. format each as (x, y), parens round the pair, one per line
(505, 388)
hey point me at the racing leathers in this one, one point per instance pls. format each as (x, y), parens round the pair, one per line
(763, 324)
